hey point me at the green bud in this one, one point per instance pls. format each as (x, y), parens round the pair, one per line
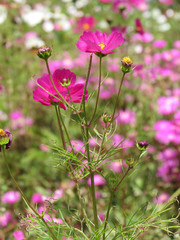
(126, 64)
(44, 52)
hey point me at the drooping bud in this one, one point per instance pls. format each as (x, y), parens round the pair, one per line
(142, 145)
(126, 64)
(44, 52)
(65, 82)
(5, 138)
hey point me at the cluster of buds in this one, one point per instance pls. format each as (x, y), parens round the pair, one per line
(142, 145)
(5, 138)
(126, 64)
(44, 52)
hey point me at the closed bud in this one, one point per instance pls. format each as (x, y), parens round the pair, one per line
(44, 52)
(65, 82)
(106, 119)
(130, 161)
(142, 145)
(126, 64)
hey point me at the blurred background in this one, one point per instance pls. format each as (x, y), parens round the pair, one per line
(149, 106)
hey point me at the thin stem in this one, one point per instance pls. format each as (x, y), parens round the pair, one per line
(86, 83)
(117, 98)
(107, 215)
(60, 128)
(129, 168)
(111, 198)
(99, 86)
(24, 197)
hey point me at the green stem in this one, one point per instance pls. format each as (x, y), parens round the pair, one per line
(86, 83)
(24, 197)
(111, 198)
(117, 98)
(107, 215)
(99, 86)
(60, 127)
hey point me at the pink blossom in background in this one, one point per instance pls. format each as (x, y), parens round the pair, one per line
(176, 44)
(97, 42)
(59, 76)
(105, 1)
(138, 26)
(44, 148)
(167, 105)
(145, 37)
(54, 64)
(85, 23)
(168, 153)
(159, 43)
(102, 216)
(18, 120)
(98, 194)
(11, 197)
(162, 198)
(78, 146)
(29, 35)
(18, 235)
(37, 198)
(5, 219)
(16, 115)
(58, 194)
(116, 166)
(167, 2)
(98, 180)
(126, 117)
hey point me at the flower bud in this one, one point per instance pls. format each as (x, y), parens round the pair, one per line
(44, 52)
(126, 64)
(5, 138)
(142, 145)
(106, 119)
(65, 82)
(130, 161)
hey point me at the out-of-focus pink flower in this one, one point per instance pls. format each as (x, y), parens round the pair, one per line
(85, 23)
(59, 77)
(78, 146)
(126, 117)
(58, 194)
(145, 37)
(159, 43)
(102, 216)
(105, 1)
(97, 42)
(117, 166)
(162, 198)
(167, 105)
(11, 197)
(5, 219)
(167, 2)
(98, 180)
(18, 235)
(176, 44)
(167, 154)
(138, 26)
(44, 148)
(37, 198)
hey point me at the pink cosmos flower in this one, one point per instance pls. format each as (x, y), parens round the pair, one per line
(159, 43)
(98, 180)
(18, 235)
(11, 197)
(85, 24)
(167, 2)
(126, 117)
(97, 42)
(138, 26)
(167, 105)
(162, 198)
(59, 77)
(37, 198)
(5, 219)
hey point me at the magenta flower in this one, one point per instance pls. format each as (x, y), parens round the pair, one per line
(37, 198)
(98, 180)
(18, 235)
(5, 219)
(138, 26)
(59, 77)
(167, 105)
(162, 198)
(99, 43)
(85, 24)
(11, 197)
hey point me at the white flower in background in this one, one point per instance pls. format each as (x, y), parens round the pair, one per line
(20, 1)
(34, 42)
(164, 27)
(138, 49)
(170, 13)
(62, 25)
(103, 24)
(156, 13)
(161, 19)
(3, 116)
(146, 14)
(48, 26)
(34, 16)
(72, 10)
(3, 14)
(81, 3)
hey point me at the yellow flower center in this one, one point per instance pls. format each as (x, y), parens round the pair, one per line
(86, 26)
(2, 133)
(127, 60)
(102, 45)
